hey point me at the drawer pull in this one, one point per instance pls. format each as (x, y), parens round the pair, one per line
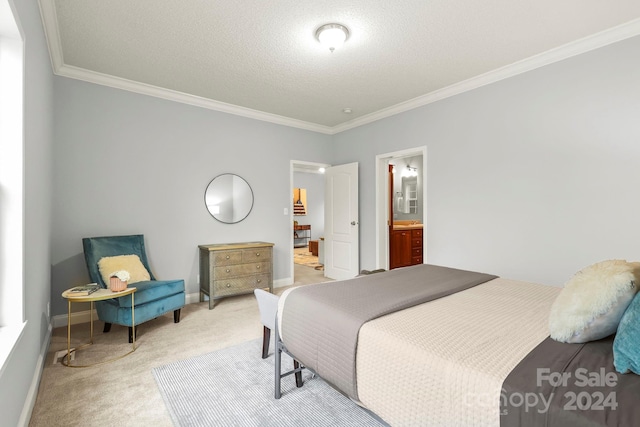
(227, 257)
(259, 280)
(228, 271)
(257, 253)
(228, 285)
(258, 267)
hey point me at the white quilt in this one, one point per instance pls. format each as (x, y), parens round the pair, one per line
(443, 363)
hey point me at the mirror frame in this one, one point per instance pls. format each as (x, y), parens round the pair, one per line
(233, 175)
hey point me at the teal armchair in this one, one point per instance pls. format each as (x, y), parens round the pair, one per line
(153, 298)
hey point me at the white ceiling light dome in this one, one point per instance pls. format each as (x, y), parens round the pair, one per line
(332, 36)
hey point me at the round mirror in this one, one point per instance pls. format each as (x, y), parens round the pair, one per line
(228, 198)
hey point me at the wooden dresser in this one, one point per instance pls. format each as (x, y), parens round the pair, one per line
(230, 269)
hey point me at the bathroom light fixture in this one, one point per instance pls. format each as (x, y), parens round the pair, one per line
(332, 35)
(409, 171)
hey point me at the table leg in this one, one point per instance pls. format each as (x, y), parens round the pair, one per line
(133, 322)
(91, 320)
(68, 333)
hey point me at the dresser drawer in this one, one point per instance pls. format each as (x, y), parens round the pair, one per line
(416, 252)
(234, 286)
(416, 242)
(256, 254)
(239, 270)
(226, 257)
(416, 233)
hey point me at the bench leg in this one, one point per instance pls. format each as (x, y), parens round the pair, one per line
(107, 327)
(296, 365)
(176, 316)
(266, 336)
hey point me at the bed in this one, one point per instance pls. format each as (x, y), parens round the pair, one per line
(448, 347)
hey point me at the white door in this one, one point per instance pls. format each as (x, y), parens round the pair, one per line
(341, 229)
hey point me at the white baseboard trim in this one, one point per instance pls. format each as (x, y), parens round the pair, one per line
(84, 316)
(30, 401)
(192, 298)
(281, 283)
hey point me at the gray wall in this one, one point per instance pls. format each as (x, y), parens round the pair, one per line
(128, 163)
(18, 383)
(314, 184)
(532, 178)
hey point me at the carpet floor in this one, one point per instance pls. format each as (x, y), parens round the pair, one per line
(125, 392)
(234, 387)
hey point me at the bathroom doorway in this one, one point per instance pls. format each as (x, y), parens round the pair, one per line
(401, 197)
(406, 215)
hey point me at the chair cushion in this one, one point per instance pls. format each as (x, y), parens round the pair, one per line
(152, 290)
(109, 311)
(130, 263)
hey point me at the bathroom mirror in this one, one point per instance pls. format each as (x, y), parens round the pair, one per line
(410, 191)
(229, 198)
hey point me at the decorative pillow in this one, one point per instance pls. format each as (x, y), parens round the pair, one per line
(626, 345)
(592, 302)
(130, 263)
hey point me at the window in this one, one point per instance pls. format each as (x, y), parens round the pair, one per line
(11, 181)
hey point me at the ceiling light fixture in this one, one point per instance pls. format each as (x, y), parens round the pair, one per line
(332, 35)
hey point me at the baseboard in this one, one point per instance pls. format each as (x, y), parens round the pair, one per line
(76, 317)
(281, 283)
(84, 316)
(32, 395)
(192, 298)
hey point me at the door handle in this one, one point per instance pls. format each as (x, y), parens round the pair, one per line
(354, 223)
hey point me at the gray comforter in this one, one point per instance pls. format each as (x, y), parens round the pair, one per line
(320, 323)
(570, 385)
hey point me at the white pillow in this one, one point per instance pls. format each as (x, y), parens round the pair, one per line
(129, 263)
(591, 304)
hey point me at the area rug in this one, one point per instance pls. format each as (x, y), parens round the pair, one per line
(304, 257)
(234, 387)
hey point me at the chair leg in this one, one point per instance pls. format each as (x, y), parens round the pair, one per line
(298, 374)
(176, 316)
(266, 336)
(107, 327)
(131, 332)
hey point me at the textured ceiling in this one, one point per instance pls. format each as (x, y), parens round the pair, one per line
(261, 59)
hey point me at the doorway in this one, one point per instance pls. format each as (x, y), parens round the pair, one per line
(385, 196)
(307, 219)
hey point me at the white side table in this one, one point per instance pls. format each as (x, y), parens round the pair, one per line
(99, 295)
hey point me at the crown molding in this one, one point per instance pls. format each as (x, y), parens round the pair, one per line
(50, 24)
(586, 44)
(185, 98)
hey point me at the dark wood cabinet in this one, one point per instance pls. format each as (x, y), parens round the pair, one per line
(416, 246)
(406, 248)
(400, 254)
